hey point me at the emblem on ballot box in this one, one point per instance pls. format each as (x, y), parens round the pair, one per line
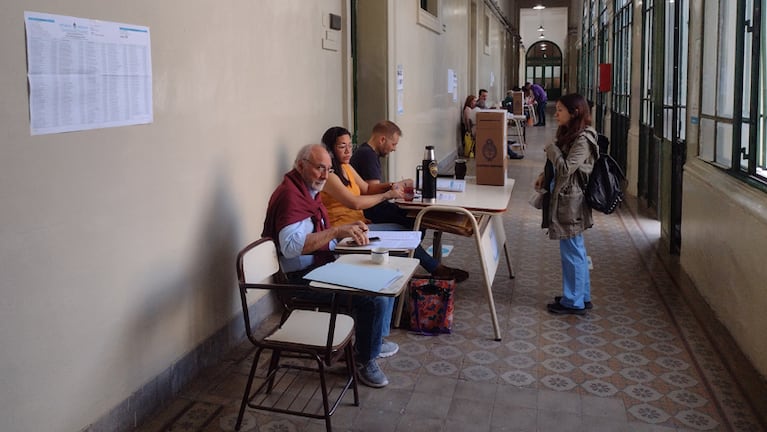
(489, 150)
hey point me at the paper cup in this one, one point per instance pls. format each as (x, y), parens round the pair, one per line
(379, 255)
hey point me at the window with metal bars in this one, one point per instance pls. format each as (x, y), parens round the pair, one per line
(733, 118)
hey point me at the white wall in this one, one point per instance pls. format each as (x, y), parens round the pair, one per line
(554, 21)
(430, 115)
(117, 245)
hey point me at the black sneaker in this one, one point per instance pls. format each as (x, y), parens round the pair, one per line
(588, 304)
(557, 308)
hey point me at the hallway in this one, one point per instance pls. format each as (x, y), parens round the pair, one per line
(639, 361)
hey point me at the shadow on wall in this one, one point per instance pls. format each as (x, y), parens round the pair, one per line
(187, 303)
(213, 268)
(189, 298)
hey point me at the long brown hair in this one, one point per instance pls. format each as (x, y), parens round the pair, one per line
(580, 118)
(329, 139)
(469, 98)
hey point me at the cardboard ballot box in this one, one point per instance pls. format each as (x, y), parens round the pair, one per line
(490, 148)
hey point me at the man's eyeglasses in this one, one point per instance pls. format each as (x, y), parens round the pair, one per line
(320, 167)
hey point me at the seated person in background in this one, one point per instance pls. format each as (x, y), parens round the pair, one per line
(468, 120)
(469, 116)
(366, 163)
(508, 101)
(482, 101)
(297, 221)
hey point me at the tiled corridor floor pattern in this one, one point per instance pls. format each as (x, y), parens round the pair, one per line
(638, 361)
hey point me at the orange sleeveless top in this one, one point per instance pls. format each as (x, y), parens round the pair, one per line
(337, 212)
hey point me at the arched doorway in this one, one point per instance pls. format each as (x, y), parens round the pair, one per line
(544, 67)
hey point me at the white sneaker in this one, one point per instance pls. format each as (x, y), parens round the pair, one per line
(388, 349)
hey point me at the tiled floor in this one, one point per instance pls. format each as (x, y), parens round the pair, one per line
(638, 361)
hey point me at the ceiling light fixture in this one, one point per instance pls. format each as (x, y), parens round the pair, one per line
(540, 28)
(539, 6)
(541, 36)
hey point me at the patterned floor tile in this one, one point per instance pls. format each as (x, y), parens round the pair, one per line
(639, 347)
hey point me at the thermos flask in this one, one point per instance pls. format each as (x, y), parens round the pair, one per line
(429, 172)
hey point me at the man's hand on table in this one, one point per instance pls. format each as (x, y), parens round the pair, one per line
(358, 231)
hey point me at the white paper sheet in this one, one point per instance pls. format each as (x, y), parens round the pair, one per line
(451, 185)
(86, 74)
(354, 276)
(397, 240)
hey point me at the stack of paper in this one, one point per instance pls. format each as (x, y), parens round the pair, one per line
(354, 276)
(451, 185)
(397, 240)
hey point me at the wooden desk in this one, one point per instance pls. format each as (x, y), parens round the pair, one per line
(404, 265)
(483, 206)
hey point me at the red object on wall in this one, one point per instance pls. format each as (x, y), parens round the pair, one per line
(605, 77)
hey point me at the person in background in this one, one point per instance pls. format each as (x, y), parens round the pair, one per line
(367, 163)
(469, 116)
(468, 120)
(508, 105)
(569, 162)
(297, 221)
(482, 101)
(540, 99)
(508, 101)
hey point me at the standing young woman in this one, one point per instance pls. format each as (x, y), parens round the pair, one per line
(569, 162)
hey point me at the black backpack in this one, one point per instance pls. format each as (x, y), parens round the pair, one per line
(604, 191)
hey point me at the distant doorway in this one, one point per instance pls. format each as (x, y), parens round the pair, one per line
(544, 67)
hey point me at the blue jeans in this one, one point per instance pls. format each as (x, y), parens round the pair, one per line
(576, 283)
(542, 112)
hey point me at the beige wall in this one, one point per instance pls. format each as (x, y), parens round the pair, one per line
(117, 245)
(430, 115)
(724, 230)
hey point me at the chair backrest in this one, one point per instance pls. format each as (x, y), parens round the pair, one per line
(257, 267)
(258, 262)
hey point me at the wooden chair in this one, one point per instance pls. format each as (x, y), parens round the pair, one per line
(310, 340)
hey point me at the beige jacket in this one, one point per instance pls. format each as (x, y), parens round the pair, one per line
(568, 213)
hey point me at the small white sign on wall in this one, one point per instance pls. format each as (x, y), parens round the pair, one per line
(400, 89)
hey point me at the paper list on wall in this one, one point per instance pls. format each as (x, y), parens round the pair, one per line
(86, 74)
